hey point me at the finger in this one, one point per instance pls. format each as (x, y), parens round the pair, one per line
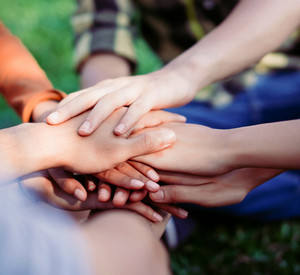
(145, 170)
(144, 210)
(91, 184)
(150, 142)
(117, 178)
(155, 118)
(104, 192)
(68, 107)
(183, 179)
(177, 194)
(68, 184)
(132, 172)
(104, 107)
(133, 115)
(172, 209)
(138, 195)
(120, 197)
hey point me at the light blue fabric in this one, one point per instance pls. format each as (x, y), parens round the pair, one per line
(36, 239)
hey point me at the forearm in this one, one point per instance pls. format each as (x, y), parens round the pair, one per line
(22, 82)
(272, 145)
(27, 148)
(253, 29)
(42, 109)
(103, 66)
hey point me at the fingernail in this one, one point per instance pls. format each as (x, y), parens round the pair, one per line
(85, 127)
(79, 195)
(91, 186)
(152, 186)
(119, 194)
(182, 118)
(120, 128)
(157, 217)
(158, 196)
(53, 118)
(153, 175)
(169, 138)
(102, 195)
(183, 213)
(137, 183)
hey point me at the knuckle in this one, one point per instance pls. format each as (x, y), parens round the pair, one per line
(139, 106)
(107, 174)
(148, 141)
(125, 181)
(67, 185)
(175, 194)
(121, 166)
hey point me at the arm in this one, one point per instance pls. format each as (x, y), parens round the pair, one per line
(204, 151)
(22, 82)
(32, 147)
(104, 40)
(253, 29)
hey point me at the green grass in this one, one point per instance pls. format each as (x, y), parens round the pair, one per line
(216, 247)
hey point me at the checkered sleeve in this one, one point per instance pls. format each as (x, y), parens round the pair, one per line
(104, 26)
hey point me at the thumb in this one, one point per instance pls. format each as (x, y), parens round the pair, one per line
(150, 142)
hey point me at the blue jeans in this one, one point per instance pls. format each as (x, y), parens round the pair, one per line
(274, 97)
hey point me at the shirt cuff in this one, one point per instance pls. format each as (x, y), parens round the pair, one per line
(43, 96)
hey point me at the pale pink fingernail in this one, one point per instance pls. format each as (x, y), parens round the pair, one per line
(53, 118)
(137, 183)
(79, 195)
(85, 127)
(157, 217)
(120, 128)
(152, 186)
(151, 174)
(91, 186)
(102, 194)
(183, 213)
(183, 118)
(158, 196)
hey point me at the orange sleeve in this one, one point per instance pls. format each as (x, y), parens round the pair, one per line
(22, 82)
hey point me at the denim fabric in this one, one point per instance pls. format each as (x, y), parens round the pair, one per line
(274, 97)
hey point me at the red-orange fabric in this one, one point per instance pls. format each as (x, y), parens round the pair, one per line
(22, 82)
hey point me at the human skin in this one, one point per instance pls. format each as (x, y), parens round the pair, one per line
(218, 55)
(146, 254)
(39, 186)
(34, 142)
(143, 175)
(219, 167)
(218, 191)
(205, 151)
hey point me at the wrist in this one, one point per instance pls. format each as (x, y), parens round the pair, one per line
(41, 144)
(239, 151)
(103, 66)
(43, 109)
(27, 148)
(194, 67)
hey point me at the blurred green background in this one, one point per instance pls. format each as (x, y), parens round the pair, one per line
(219, 246)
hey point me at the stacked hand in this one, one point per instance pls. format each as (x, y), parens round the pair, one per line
(100, 152)
(161, 89)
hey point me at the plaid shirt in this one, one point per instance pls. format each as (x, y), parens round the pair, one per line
(169, 26)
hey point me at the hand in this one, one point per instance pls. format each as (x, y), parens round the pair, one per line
(126, 176)
(198, 150)
(40, 185)
(161, 89)
(223, 190)
(103, 150)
